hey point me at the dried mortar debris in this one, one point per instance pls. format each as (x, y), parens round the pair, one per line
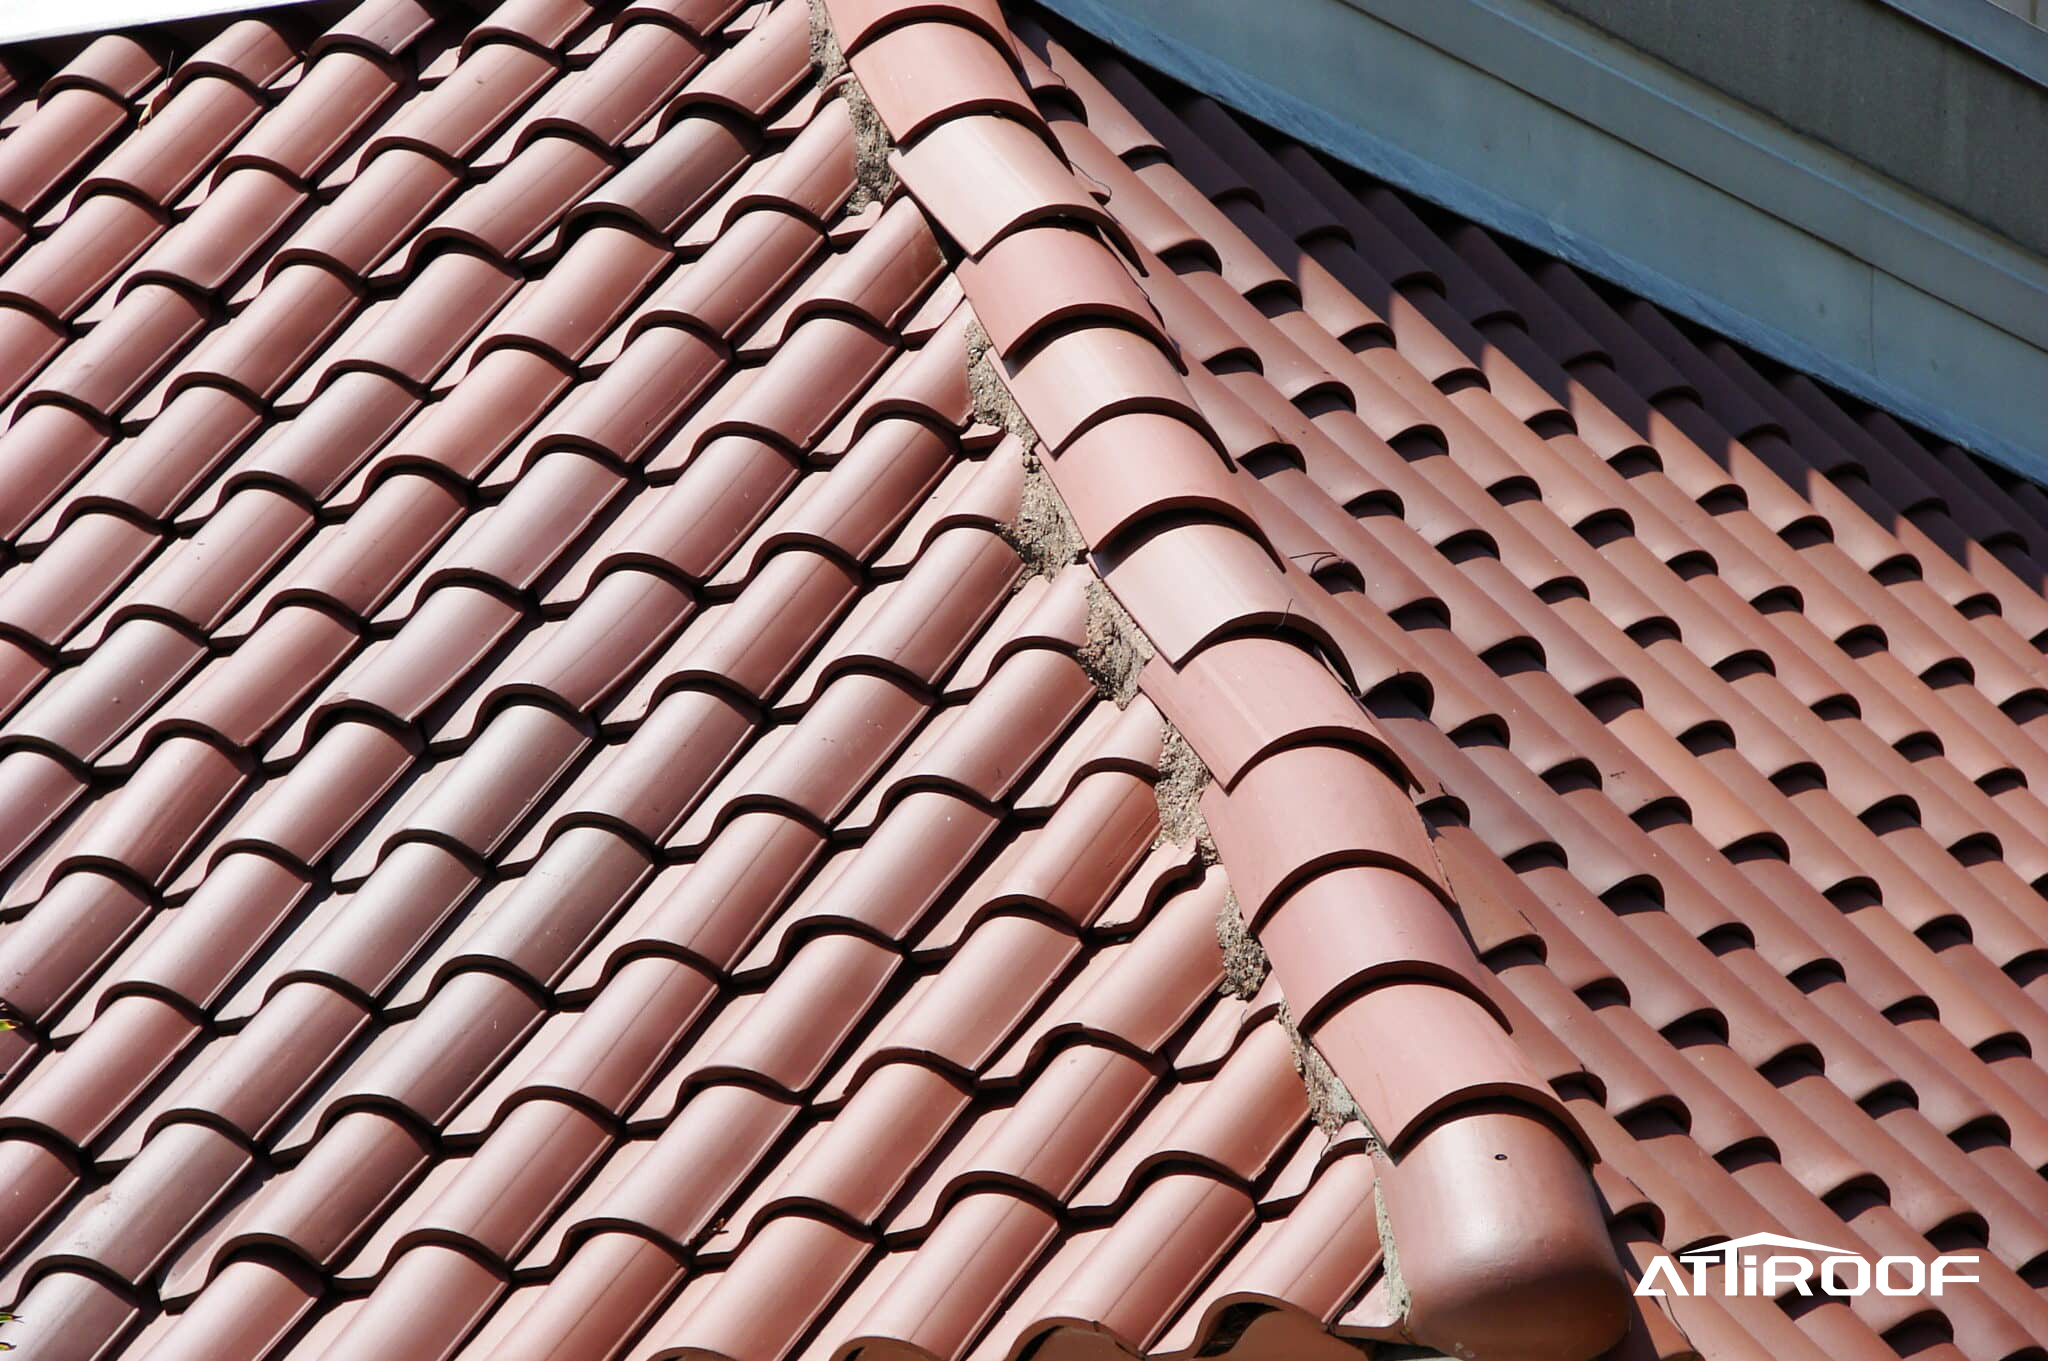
(1182, 778)
(1390, 1256)
(873, 181)
(825, 53)
(1330, 1103)
(1116, 649)
(1044, 533)
(993, 404)
(1244, 960)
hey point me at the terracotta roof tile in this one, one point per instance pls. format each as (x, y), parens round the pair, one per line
(602, 757)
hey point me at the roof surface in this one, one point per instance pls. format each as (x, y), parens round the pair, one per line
(661, 701)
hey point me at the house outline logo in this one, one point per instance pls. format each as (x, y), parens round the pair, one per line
(1744, 1267)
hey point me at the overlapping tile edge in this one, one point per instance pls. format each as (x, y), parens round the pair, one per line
(1087, 401)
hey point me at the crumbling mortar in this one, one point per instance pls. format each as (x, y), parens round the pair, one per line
(1330, 1102)
(1331, 1106)
(1244, 960)
(1043, 533)
(1182, 778)
(1390, 1256)
(993, 404)
(873, 180)
(1116, 650)
(825, 53)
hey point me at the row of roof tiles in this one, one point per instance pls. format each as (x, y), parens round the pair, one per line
(125, 1011)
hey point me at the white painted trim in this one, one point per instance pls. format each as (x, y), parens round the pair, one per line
(1546, 129)
(1993, 33)
(27, 20)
